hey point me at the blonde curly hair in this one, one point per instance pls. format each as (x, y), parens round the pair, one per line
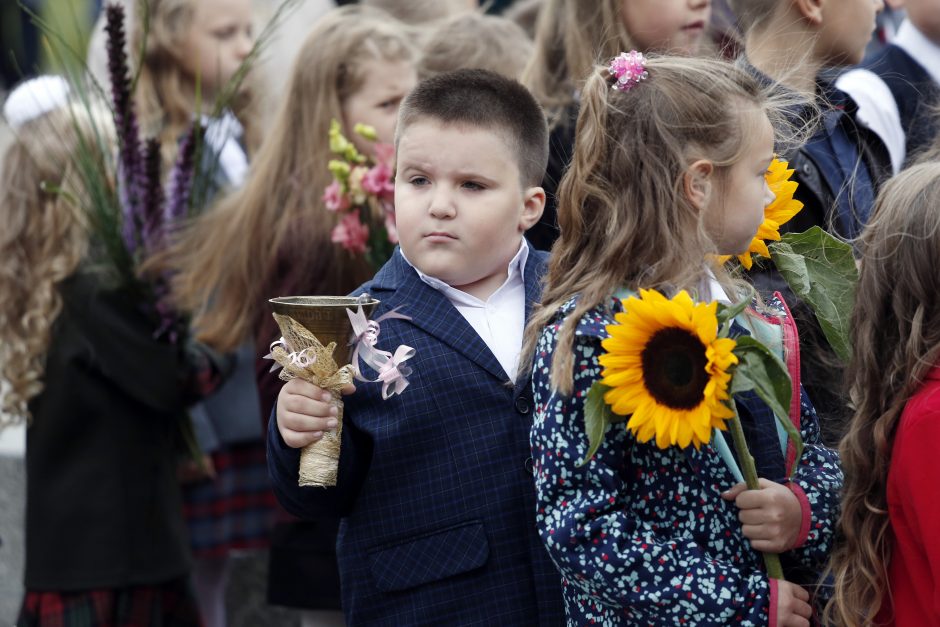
(45, 237)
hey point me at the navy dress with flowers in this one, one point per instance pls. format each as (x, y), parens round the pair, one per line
(640, 535)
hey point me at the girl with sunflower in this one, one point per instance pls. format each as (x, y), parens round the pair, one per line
(670, 169)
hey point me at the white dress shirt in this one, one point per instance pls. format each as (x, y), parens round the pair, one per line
(500, 320)
(222, 135)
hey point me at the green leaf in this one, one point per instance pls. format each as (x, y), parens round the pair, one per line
(821, 271)
(760, 370)
(597, 416)
(727, 313)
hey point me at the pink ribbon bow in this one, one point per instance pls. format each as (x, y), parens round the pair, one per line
(391, 371)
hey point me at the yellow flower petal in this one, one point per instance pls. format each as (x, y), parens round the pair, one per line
(780, 211)
(668, 420)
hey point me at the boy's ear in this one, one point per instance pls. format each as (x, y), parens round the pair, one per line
(533, 204)
(811, 10)
(697, 182)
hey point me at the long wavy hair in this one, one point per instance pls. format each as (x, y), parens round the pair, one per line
(896, 341)
(44, 237)
(624, 216)
(272, 236)
(166, 93)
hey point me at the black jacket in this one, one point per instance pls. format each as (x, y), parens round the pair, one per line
(103, 503)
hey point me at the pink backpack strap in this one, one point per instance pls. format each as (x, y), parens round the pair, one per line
(791, 347)
(791, 357)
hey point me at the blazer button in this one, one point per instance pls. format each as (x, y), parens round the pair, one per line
(522, 405)
(529, 466)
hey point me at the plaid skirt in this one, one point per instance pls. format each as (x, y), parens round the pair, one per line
(237, 509)
(172, 604)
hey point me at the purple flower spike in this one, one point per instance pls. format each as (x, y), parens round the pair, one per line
(131, 174)
(152, 215)
(181, 179)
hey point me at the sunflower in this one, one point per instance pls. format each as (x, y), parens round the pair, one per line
(666, 366)
(776, 214)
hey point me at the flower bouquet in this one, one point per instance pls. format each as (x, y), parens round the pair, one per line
(362, 195)
(671, 369)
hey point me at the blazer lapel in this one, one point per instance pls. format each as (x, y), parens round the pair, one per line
(398, 285)
(535, 268)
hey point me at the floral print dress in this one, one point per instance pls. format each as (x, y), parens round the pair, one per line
(640, 535)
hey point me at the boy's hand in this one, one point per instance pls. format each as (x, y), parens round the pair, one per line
(305, 411)
(771, 516)
(793, 608)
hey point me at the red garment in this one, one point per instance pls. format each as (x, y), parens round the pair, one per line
(914, 511)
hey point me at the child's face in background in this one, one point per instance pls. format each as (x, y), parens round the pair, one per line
(386, 83)
(846, 29)
(676, 26)
(219, 39)
(925, 15)
(735, 207)
(460, 206)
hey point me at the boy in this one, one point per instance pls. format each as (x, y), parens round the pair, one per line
(838, 170)
(897, 89)
(435, 485)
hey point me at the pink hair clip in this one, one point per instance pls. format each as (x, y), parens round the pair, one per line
(629, 69)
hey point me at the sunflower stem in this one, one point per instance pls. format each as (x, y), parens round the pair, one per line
(749, 470)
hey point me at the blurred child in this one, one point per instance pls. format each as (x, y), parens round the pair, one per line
(787, 44)
(272, 237)
(105, 542)
(570, 36)
(887, 561)
(435, 485)
(898, 87)
(475, 40)
(838, 170)
(192, 51)
(667, 172)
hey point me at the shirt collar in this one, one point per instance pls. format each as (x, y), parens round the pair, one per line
(916, 44)
(515, 273)
(715, 291)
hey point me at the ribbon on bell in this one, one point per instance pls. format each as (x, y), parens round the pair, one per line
(392, 372)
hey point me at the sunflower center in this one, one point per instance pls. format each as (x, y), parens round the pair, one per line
(674, 372)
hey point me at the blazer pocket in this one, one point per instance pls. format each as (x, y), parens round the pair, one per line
(430, 557)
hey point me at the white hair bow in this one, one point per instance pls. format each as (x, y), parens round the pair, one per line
(34, 98)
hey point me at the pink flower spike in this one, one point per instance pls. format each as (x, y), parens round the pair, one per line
(334, 198)
(351, 233)
(629, 69)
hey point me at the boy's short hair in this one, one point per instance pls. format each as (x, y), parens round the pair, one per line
(484, 99)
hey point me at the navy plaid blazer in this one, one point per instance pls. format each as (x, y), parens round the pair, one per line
(435, 486)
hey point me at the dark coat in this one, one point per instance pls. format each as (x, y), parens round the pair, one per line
(103, 504)
(915, 93)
